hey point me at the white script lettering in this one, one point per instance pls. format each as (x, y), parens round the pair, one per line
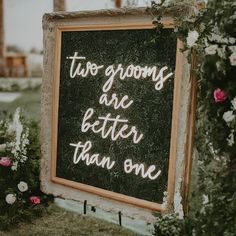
(75, 69)
(139, 169)
(156, 74)
(138, 72)
(100, 126)
(105, 162)
(104, 100)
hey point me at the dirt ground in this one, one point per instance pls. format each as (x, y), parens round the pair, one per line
(59, 222)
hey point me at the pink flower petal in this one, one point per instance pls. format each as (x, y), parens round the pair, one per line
(219, 95)
(5, 161)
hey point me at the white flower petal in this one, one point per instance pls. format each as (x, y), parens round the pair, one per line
(232, 40)
(230, 139)
(228, 116)
(211, 50)
(232, 49)
(192, 38)
(22, 186)
(233, 102)
(205, 199)
(10, 198)
(232, 59)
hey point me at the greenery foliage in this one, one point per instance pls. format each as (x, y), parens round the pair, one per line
(20, 195)
(210, 33)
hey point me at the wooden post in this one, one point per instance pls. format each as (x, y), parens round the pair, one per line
(118, 3)
(2, 43)
(59, 5)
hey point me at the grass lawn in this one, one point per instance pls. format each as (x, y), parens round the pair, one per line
(59, 222)
(29, 101)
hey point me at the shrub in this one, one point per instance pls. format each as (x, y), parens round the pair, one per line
(20, 195)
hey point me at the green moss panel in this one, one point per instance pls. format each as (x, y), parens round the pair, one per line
(151, 111)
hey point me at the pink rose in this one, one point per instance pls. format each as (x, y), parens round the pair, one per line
(35, 200)
(5, 161)
(219, 95)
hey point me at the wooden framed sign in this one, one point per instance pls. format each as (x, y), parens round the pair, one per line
(116, 97)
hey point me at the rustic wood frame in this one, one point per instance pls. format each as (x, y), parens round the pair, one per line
(174, 127)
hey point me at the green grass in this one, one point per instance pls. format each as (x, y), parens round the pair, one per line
(29, 102)
(59, 222)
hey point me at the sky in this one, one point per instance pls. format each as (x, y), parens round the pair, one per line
(23, 18)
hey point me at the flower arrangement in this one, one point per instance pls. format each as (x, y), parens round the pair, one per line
(20, 196)
(211, 33)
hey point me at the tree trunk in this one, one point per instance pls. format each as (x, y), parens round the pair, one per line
(118, 3)
(2, 44)
(59, 5)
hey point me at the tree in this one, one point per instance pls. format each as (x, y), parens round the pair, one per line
(2, 44)
(59, 5)
(118, 3)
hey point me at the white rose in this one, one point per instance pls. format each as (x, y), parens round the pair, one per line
(10, 198)
(22, 186)
(233, 102)
(232, 59)
(228, 116)
(211, 50)
(192, 38)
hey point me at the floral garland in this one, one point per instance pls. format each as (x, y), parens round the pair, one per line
(211, 33)
(20, 196)
(217, 69)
